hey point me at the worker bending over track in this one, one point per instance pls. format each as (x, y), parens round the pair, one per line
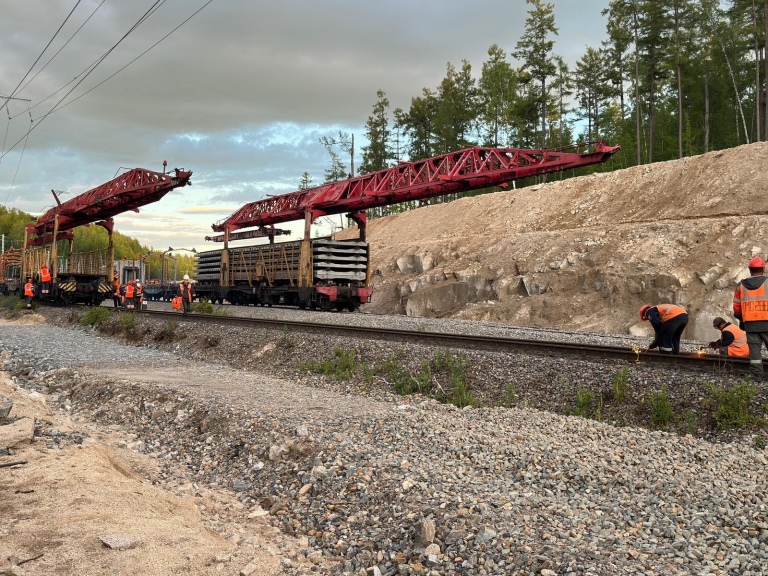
(668, 321)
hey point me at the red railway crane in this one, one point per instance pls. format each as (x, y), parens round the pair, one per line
(460, 171)
(129, 191)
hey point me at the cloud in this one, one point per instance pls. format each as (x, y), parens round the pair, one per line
(240, 94)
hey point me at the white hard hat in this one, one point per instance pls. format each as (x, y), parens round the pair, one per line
(186, 276)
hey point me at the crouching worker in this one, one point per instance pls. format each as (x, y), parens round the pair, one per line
(733, 341)
(29, 293)
(668, 321)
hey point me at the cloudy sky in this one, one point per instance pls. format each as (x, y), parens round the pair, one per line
(239, 94)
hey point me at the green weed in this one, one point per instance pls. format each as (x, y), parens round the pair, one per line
(731, 408)
(585, 403)
(690, 422)
(14, 303)
(510, 396)
(340, 366)
(758, 443)
(620, 382)
(202, 307)
(444, 378)
(661, 408)
(96, 316)
(127, 322)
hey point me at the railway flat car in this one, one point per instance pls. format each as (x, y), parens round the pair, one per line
(268, 275)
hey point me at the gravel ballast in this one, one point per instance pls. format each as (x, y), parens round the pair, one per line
(384, 484)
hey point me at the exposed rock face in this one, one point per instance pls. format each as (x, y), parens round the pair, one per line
(584, 253)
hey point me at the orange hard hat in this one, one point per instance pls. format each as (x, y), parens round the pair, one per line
(643, 310)
(757, 262)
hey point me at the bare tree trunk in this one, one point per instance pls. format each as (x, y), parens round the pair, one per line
(757, 75)
(736, 95)
(765, 68)
(679, 73)
(637, 92)
(679, 109)
(706, 112)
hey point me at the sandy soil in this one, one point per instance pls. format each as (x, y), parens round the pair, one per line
(74, 484)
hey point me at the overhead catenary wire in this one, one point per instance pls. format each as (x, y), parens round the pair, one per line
(41, 55)
(62, 47)
(137, 57)
(92, 68)
(88, 69)
(56, 107)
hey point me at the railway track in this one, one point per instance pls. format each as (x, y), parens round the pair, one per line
(488, 343)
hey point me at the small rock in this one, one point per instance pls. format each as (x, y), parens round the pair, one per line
(116, 542)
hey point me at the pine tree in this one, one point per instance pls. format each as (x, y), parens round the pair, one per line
(305, 183)
(535, 50)
(377, 153)
(456, 111)
(497, 94)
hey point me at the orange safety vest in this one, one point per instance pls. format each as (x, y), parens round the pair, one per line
(739, 347)
(751, 304)
(45, 276)
(669, 311)
(129, 291)
(186, 291)
(29, 289)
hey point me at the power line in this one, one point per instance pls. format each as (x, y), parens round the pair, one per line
(88, 69)
(64, 46)
(93, 67)
(41, 54)
(137, 57)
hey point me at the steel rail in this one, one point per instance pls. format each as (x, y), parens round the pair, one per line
(489, 343)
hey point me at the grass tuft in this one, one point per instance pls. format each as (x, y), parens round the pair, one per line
(661, 408)
(96, 316)
(731, 407)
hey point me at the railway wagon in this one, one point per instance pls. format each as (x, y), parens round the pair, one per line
(268, 275)
(10, 266)
(77, 278)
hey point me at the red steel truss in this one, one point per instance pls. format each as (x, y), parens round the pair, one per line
(467, 169)
(129, 191)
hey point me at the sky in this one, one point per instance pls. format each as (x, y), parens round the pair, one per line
(240, 93)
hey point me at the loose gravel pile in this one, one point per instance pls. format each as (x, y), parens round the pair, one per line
(383, 484)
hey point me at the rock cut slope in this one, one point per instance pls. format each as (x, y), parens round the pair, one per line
(583, 253)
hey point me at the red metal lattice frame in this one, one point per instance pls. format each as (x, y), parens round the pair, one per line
(129, 191)
(467, 169)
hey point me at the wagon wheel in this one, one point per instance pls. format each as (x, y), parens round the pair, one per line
(67, 298)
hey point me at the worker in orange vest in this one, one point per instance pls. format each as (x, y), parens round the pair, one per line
(45, 278)
(733, 341)
(139, 294)
(116, 296)
(29, 292)
(750, 307)
(187, 293)
(130, 293)
(668, 321)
